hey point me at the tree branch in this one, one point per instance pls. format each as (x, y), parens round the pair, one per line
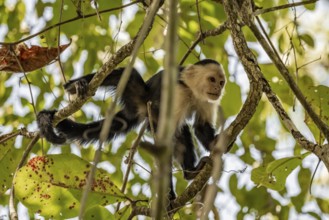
(287, 76)
(216, 174)
(241, 47)
(130, 158)
(201, 36)
(166, 128)
(289, 124)
(252, 69)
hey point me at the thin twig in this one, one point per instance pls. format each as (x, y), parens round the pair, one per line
(199, 17)
(22, 131)
(68, 21)
(201, 36)
(130, 158)
(6, 137)
(59, 41)
(97, 11)
(280, 7)
(310, 62)
(28, 81)
(313, 175)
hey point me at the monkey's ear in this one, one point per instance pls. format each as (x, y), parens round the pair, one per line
(190, 70)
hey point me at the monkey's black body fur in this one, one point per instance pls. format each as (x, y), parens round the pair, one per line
(134, 99)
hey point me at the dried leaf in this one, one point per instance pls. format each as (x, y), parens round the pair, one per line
(29, 59)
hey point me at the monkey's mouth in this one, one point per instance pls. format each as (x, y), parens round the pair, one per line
(213, 95)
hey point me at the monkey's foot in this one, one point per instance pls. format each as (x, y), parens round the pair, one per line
(191, 174)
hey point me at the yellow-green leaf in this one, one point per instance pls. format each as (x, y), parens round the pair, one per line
(274, 175)
(52, 185)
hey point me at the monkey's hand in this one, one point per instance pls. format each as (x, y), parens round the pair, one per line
(189, 175)
(45, 123)
(77, 86)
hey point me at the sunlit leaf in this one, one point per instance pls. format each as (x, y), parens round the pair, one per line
(234, 96)
(323, 204)
(98, 212)
(8, 162)
(318, 97)
(274, 175)
(304, 179)
(52, 185)
(307, 39)
(123, 213)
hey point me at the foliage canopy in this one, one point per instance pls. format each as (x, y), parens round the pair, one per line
(267, 173)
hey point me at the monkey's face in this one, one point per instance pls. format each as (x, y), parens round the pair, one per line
(213, 82)
(206, 81)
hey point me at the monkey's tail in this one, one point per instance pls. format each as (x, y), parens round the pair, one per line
(83, 133)
(68, 130)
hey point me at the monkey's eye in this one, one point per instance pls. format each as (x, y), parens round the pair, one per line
(211, 79)
(222, 83)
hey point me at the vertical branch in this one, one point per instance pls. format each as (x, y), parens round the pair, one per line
(143, 32)
(130, 158)
(216, 172)
(167, 124)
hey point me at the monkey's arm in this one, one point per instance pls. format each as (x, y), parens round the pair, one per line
(205, 133)
(133, 98)
(111, 80)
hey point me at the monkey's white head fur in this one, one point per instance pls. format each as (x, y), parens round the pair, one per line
(205, 81)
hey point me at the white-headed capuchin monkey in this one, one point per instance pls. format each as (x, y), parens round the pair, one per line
(198, 92)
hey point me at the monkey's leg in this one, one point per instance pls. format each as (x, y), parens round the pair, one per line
(172, 194)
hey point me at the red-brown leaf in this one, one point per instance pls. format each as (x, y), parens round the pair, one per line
(30, 59)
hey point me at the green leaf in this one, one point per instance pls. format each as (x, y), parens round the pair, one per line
(123, 213)
(9, 158)
(310, 6)
(234, 96)
(98, 212)
(307, 39)
(318, 97)
(315, 215)
(274, 175)
(52, 185)
(304, 178)
(323, 205)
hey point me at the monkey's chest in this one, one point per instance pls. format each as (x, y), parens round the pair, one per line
(184, 109)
